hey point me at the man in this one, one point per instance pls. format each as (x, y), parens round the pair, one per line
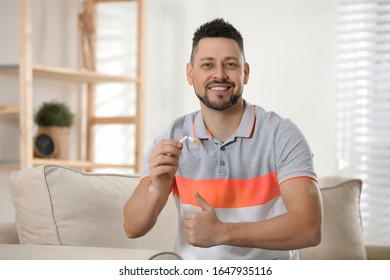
(244, 182)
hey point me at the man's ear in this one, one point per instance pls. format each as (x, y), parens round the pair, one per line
(189, 74)
(246, 73)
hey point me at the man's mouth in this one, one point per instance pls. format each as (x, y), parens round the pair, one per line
(219, 88)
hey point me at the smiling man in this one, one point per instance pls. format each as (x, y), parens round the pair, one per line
(247, 189)
(227, 71)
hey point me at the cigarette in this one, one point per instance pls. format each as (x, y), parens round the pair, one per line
(191, 139)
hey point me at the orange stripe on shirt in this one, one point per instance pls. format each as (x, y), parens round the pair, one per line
(228, 193)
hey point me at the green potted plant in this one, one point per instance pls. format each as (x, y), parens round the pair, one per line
(54, 120)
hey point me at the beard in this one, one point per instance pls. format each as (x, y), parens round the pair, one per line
(217, 105)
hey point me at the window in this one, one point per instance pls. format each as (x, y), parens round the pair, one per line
(116, 52)
(363, 117)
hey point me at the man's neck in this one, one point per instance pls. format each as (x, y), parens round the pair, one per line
(222, 124)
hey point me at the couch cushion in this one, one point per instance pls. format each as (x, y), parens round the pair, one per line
(46, 252)
(342, 236)
(8, 233)
(56, 205)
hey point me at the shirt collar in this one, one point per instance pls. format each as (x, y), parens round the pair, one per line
(244, 130)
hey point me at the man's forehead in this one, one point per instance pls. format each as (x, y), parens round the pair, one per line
(219, 41)
(209, 47)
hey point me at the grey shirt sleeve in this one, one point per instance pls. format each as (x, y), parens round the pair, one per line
(292, 152)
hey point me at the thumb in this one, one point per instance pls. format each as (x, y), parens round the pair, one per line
(202, 202)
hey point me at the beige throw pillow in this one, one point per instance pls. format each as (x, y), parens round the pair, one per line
(342, 236)
(56, 205)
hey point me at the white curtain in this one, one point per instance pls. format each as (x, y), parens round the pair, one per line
(364, 109)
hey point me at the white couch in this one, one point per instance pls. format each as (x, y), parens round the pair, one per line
(62, 213)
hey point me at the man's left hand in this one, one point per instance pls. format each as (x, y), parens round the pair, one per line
(202, 229)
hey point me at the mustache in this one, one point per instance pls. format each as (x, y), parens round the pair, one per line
(222, 82)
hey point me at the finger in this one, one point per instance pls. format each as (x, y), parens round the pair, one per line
(169, 142)
(163, 160)
(202, 202)
(189, 216)
(167, 147)
(163, 165)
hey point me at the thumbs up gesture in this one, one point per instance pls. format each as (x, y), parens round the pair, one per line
(203, 229)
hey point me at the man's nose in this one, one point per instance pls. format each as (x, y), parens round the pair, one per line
(220, 73)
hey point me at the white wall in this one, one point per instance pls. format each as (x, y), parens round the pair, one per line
(290, 46)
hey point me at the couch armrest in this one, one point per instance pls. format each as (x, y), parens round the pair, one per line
(8, 233)
(377, 252)
(50, 252)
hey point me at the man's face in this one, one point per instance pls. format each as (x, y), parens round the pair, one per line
(218, 72)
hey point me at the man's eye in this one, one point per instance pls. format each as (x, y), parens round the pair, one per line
(231, 65)
(206, 65)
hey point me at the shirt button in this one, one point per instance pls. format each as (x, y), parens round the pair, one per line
(223, 148)
(222, 163)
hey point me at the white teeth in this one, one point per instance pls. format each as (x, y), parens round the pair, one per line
(219, 88)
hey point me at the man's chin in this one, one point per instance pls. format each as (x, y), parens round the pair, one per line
(219, 106)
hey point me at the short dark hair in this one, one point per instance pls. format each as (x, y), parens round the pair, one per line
(216, 28)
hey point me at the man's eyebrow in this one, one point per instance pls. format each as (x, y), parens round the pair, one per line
(232, 58)
(207, 58)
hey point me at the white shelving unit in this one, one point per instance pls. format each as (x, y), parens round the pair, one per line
(28, 73)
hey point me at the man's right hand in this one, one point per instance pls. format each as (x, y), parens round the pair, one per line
(163, 163)
(153, 191)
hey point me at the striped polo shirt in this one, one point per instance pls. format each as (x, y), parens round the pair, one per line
(240, 177)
